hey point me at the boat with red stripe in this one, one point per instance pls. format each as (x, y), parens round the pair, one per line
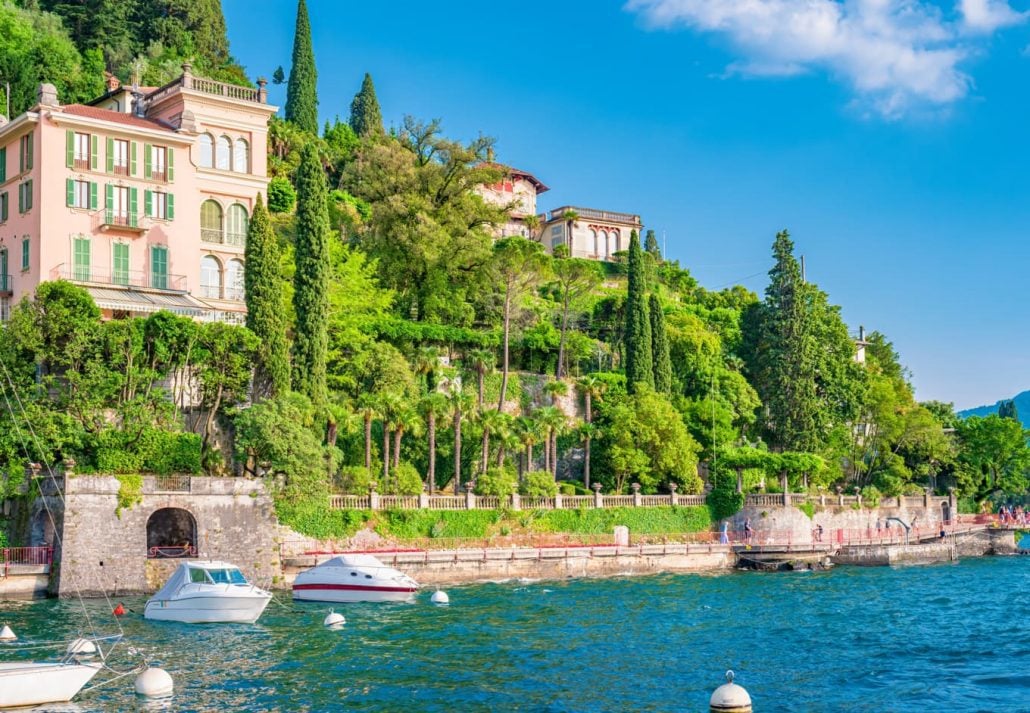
(354, 578)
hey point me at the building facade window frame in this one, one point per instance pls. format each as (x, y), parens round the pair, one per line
(82, 258)
(159, 267)
(120, 263)
(210, 277)
(212, 217)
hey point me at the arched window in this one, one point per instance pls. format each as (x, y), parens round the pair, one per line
(207, 151)
(211, 222)
(240, 156)
(607, 246)
(224, 154)
(236, 225)
(593, 236)
(171, 532)
(210, 277)
(618, 240)
(234, 280)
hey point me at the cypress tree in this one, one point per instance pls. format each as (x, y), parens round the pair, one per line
(651, 246)
(311, 280)
(302, 89)
(1007, 409)
(660, 348)
(639, 359)
(365, 117)
(264, 285)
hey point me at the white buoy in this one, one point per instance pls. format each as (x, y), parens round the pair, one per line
(154, 682)
(82, 647)
(6, 634)
(440, 598)
(730, 698)
(333, 619)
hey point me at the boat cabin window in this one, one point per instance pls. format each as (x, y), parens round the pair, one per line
(199, 576)
(354, 574)
(227, 576)
(368, 576)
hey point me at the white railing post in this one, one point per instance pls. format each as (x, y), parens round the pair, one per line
(673, 500)
(598, 498)
(636, 494)
(373, 496)
(470, 497)
(557, 501)
(516, 501)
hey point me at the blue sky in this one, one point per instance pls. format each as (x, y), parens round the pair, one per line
(889, 136)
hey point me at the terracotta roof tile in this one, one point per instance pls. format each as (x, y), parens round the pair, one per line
(118, 117)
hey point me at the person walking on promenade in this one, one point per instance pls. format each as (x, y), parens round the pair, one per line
(724, 536)
(748, 532)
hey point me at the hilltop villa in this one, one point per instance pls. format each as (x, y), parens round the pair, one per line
(142, 196)
(518, 190)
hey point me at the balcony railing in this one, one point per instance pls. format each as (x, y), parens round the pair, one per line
(91, 275)
(209, 86)
(82, 164)
(110, 219)
(223, 237)
(591, 214)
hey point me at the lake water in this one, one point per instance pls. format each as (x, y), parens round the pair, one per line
(935, 638)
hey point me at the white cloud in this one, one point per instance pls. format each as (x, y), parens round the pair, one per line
(988, 15)
(895, 53)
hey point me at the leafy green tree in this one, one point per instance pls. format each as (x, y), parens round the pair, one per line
(302, 89)
(660, 347)
(651, 246)
(311, 281)
(575, 279)
(266, 303)
(281, 196)
(518, 266)
(1007, 409)
(365, 117)
(639, 357)
(993, 456)
(224, 368)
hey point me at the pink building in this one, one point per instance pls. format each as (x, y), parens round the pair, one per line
(142, 197)
(517, 190)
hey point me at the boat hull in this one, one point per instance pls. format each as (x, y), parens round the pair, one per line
(330, 592)
(208, 609)
(33, 684)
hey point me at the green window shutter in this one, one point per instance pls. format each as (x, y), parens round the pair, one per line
(170, 164)
(21, 155)
(3, 207)
(28, 152)
(147, 160)
(94, 151)
(108, 196)
(21, 197)
(3, 164)
(25, 254)
(159, 267)
(148, 202)
(81, 261)
(121, 263)
(170, 207)
(92, 196)
(69, 148)
(110, 155)
(133, 218)
(70, 186)
(28, 195)
(132, 158)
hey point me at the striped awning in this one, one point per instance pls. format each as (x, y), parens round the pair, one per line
(128, 300)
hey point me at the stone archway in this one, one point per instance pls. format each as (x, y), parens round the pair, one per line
(945, 512)
(41, 533)
(171, 532)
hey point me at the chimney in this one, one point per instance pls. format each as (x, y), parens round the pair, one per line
(111, 82)
(48, 95)
(861, 333)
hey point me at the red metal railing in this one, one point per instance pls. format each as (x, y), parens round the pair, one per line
(176, 552)
(33, 556)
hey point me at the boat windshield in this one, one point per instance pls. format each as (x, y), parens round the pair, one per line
(227, 576)
(199, 576)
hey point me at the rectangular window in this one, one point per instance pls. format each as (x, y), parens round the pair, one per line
(25, 153)
(5, 309)
(25, 253)
(120, 273)
(3, 207)
(5, 275)
(83, 151)
(25, 197)
(158, 160)
(159, 267)
(158, 205)
(120, 156)
(78, 194)
(81, 259)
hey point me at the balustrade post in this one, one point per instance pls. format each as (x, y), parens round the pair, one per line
(516, 501)
(187, 75)
(636, 494)
(673, 500)
(470, 497)
(423, 500)
(840, 496)
(262, 92)
(822, 500)
(786, 497)
(557, 501)
(373, 496)
(598, 498)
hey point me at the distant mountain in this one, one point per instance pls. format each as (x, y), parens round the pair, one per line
(1022, 408)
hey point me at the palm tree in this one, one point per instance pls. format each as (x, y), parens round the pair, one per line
(407, 421)
(532, 223)
(368, 409)
(459, 403)
(588, 432)
(482, 362)
(426, 363)
(552, 420)
(570, 217)
(528, 431)
(390, 405)
(491, 422)
(508, 438)
(433, 406)
(592, 387)
(556, 388)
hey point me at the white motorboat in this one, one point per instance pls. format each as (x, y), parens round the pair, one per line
(33, 684)
(208, 592)
(354, 578)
